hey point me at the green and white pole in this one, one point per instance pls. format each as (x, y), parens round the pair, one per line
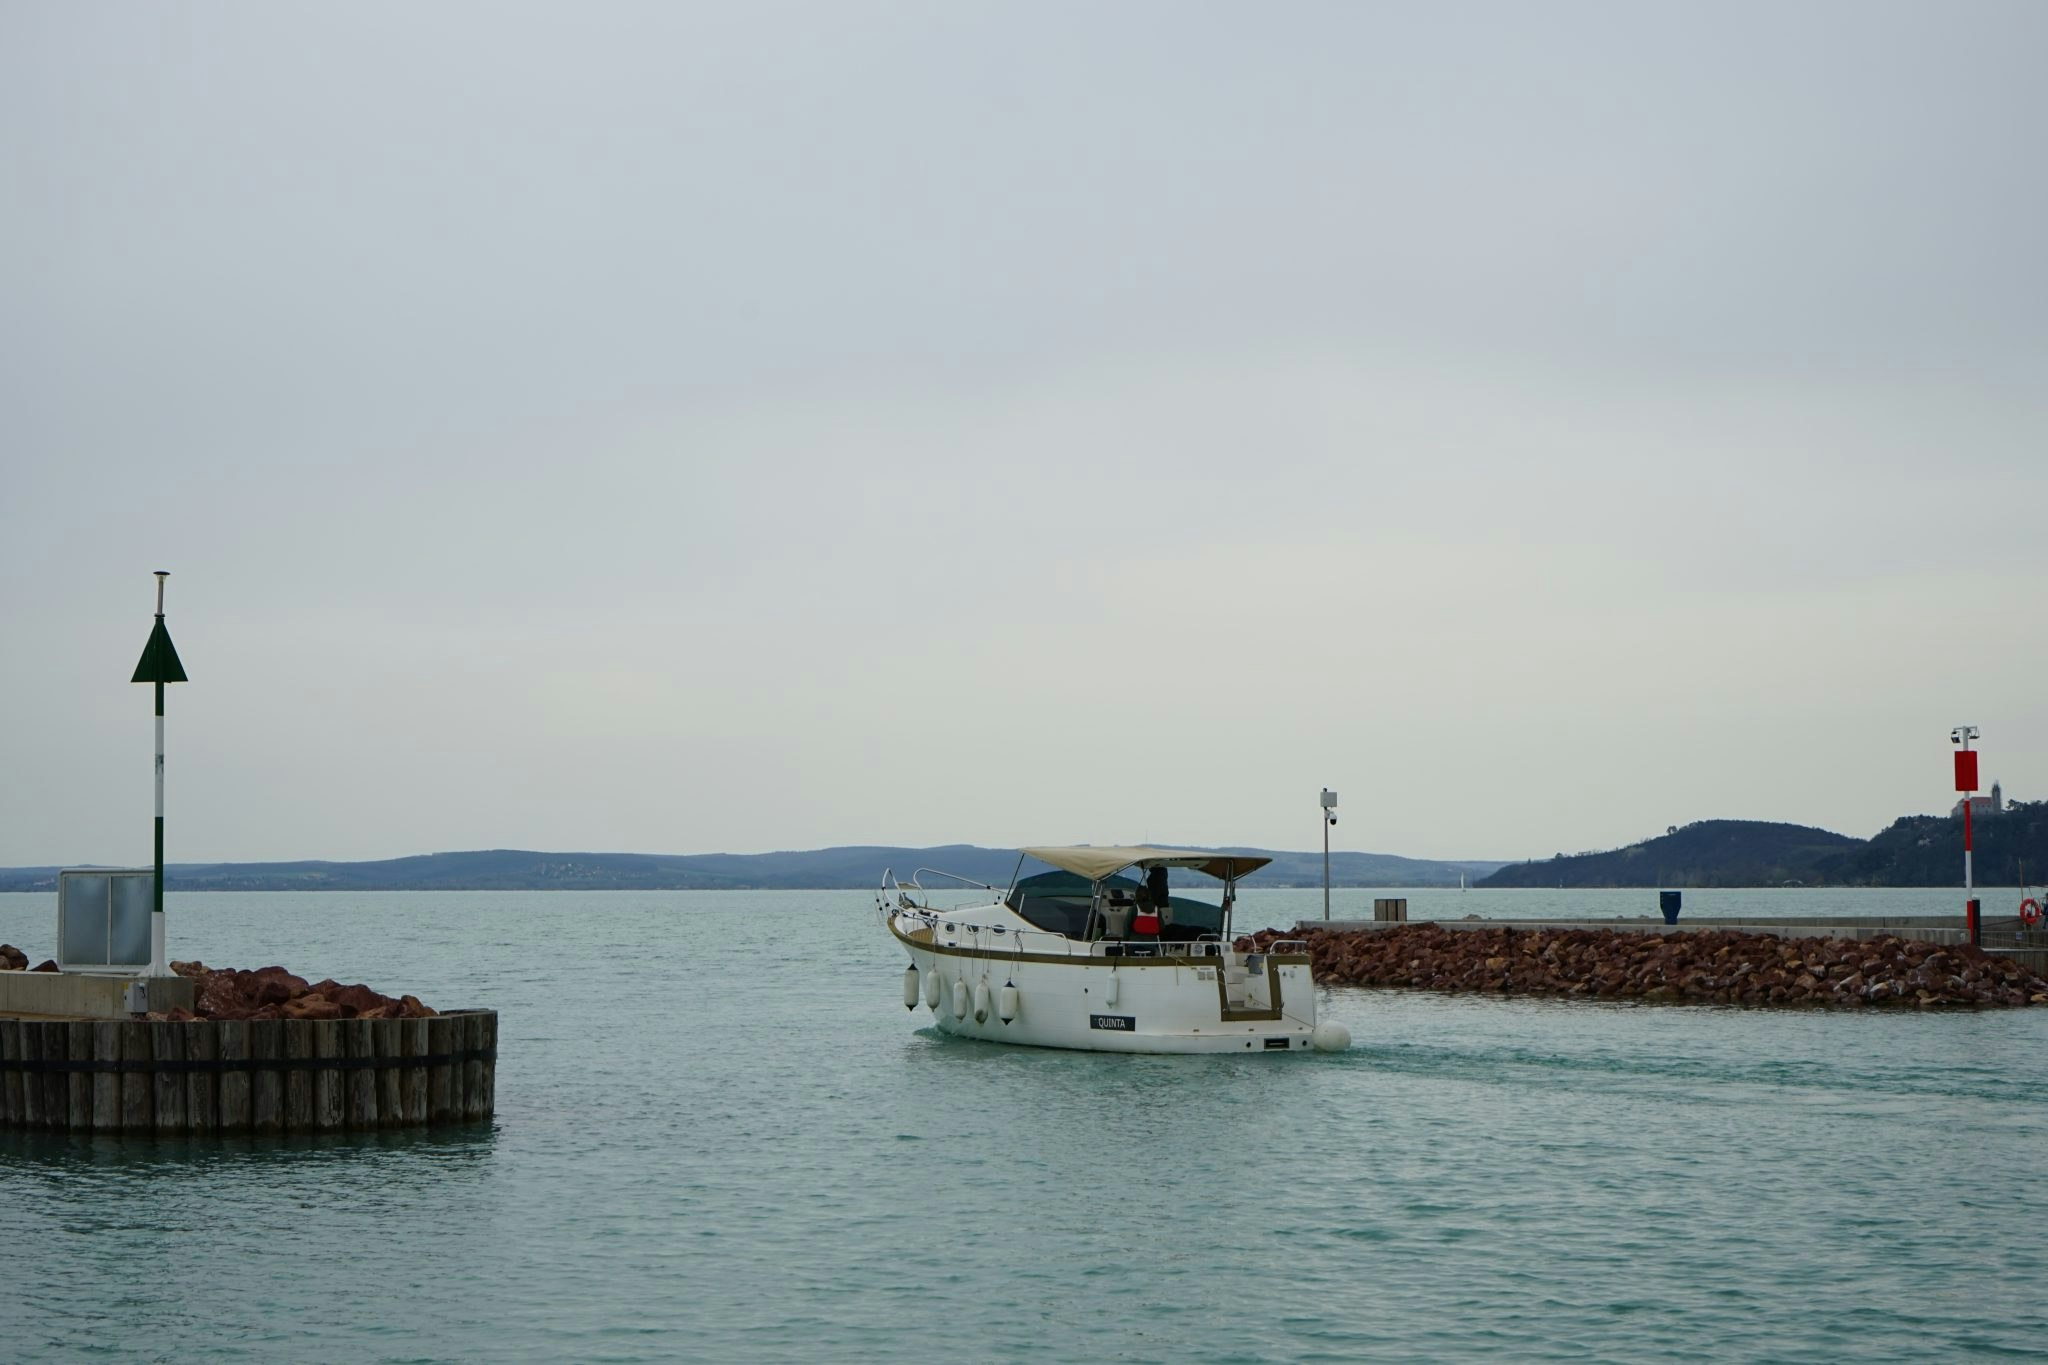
(159, 665)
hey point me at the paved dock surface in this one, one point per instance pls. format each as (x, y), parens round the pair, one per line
(1931, 928)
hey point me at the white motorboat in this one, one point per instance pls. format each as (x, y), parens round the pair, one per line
(1100, 953)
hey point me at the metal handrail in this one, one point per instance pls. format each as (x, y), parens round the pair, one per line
(936, 919)
(913, 894)
(954, 876)
(893, 897)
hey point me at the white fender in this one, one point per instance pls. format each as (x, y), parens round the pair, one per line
(981, 1001)
(1330, 1037)
(910, 987)
(931, 988)
(1007, 1002)
(960, 998)
(1109, 991)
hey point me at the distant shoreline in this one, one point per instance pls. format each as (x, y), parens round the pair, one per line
(1915, 851)
(849, 868)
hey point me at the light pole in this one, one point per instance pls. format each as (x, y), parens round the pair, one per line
(1329, 819)
(1966, 783)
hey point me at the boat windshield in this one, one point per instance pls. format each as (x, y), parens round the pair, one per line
(1060, 901)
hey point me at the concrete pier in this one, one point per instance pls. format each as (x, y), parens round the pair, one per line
(84, 995)
(1928, 928)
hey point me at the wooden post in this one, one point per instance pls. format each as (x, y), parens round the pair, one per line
(202, 1086)
(35, 1112)
(329, 1109)
(359, 1044)
(413, 1033)
(388, 1038)
(475, 1099)
(235, 1082)
(484, 1104)
(442, 1038)
(31, 1050)
(28, 1047)
(458, 1070)
(298, 1080)
(72, 1106)
(137, 1087)
(106, 1085)
(267, 1088)
(58, 1086)
(167, 1043)
(10, 1073)
(35, 1085)
(234, 1076)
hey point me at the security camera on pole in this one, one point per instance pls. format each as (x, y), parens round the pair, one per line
(1329, 819)
(1966, 783)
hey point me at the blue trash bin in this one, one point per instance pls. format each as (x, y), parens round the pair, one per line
(1667, 901)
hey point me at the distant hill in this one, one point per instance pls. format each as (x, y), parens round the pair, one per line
(814, 869)
(1708, 853)
(1916, 850)
(1927, 850)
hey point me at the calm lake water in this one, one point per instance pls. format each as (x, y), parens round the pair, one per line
(721, 1137)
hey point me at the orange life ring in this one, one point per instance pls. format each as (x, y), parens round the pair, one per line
(2030, 912)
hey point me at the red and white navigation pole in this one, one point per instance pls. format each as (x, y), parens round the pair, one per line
(1966, 783)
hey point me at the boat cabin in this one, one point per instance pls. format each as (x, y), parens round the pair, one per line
(1122, 893)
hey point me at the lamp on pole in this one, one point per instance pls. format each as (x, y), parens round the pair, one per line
(1329, 819)
(1966, 783)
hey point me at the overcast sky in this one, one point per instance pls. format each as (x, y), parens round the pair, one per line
(683, 428)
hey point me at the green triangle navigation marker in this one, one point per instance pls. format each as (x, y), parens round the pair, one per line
(159, 665)
(159, 658)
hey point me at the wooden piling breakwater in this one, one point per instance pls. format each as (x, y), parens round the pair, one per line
(207, 1076)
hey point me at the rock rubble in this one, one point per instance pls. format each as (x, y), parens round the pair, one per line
(1717, 967)
(274, 993)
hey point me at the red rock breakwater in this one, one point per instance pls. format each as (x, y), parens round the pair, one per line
(1716, 967)
(274, 993)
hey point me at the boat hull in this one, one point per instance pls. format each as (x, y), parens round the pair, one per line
(1169, 1004)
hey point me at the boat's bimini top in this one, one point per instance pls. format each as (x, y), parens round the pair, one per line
(1097, 863)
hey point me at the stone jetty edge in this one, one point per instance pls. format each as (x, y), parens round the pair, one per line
(1713, 967)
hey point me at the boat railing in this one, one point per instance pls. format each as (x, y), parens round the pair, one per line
(992, 937)
(908, 899)
(917, 878)
(913, 894)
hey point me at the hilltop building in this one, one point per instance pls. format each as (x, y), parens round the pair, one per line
(1993, 804)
